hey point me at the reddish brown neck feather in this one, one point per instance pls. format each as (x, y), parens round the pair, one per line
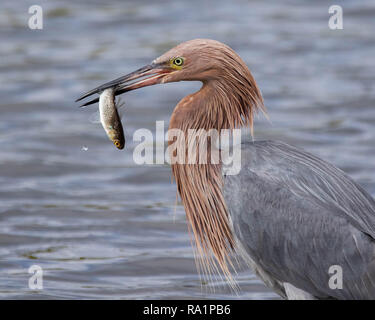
(227, 103)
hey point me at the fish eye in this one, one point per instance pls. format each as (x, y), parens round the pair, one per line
(178, 61)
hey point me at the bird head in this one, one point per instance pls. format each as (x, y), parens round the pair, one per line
(194, 60)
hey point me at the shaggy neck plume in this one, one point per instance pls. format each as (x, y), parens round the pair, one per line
(220, 104)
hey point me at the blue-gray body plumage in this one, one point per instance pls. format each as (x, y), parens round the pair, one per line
(296, 215)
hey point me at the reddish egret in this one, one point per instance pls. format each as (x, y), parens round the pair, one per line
(291, 215)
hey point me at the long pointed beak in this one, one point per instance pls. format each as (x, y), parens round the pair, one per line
(143, 77)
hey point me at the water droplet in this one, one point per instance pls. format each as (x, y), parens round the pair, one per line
(85, 148)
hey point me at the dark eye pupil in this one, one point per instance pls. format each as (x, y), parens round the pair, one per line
(178, 62)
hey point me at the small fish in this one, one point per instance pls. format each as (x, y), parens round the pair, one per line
(110, 119)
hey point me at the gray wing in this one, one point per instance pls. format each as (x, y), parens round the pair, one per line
(297, 216)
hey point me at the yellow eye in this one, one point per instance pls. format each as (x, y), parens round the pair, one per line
(178, 61)
(117, 144)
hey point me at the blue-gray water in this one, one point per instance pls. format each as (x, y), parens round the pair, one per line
(102, 227)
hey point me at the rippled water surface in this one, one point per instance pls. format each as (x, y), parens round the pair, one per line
(102, 227)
